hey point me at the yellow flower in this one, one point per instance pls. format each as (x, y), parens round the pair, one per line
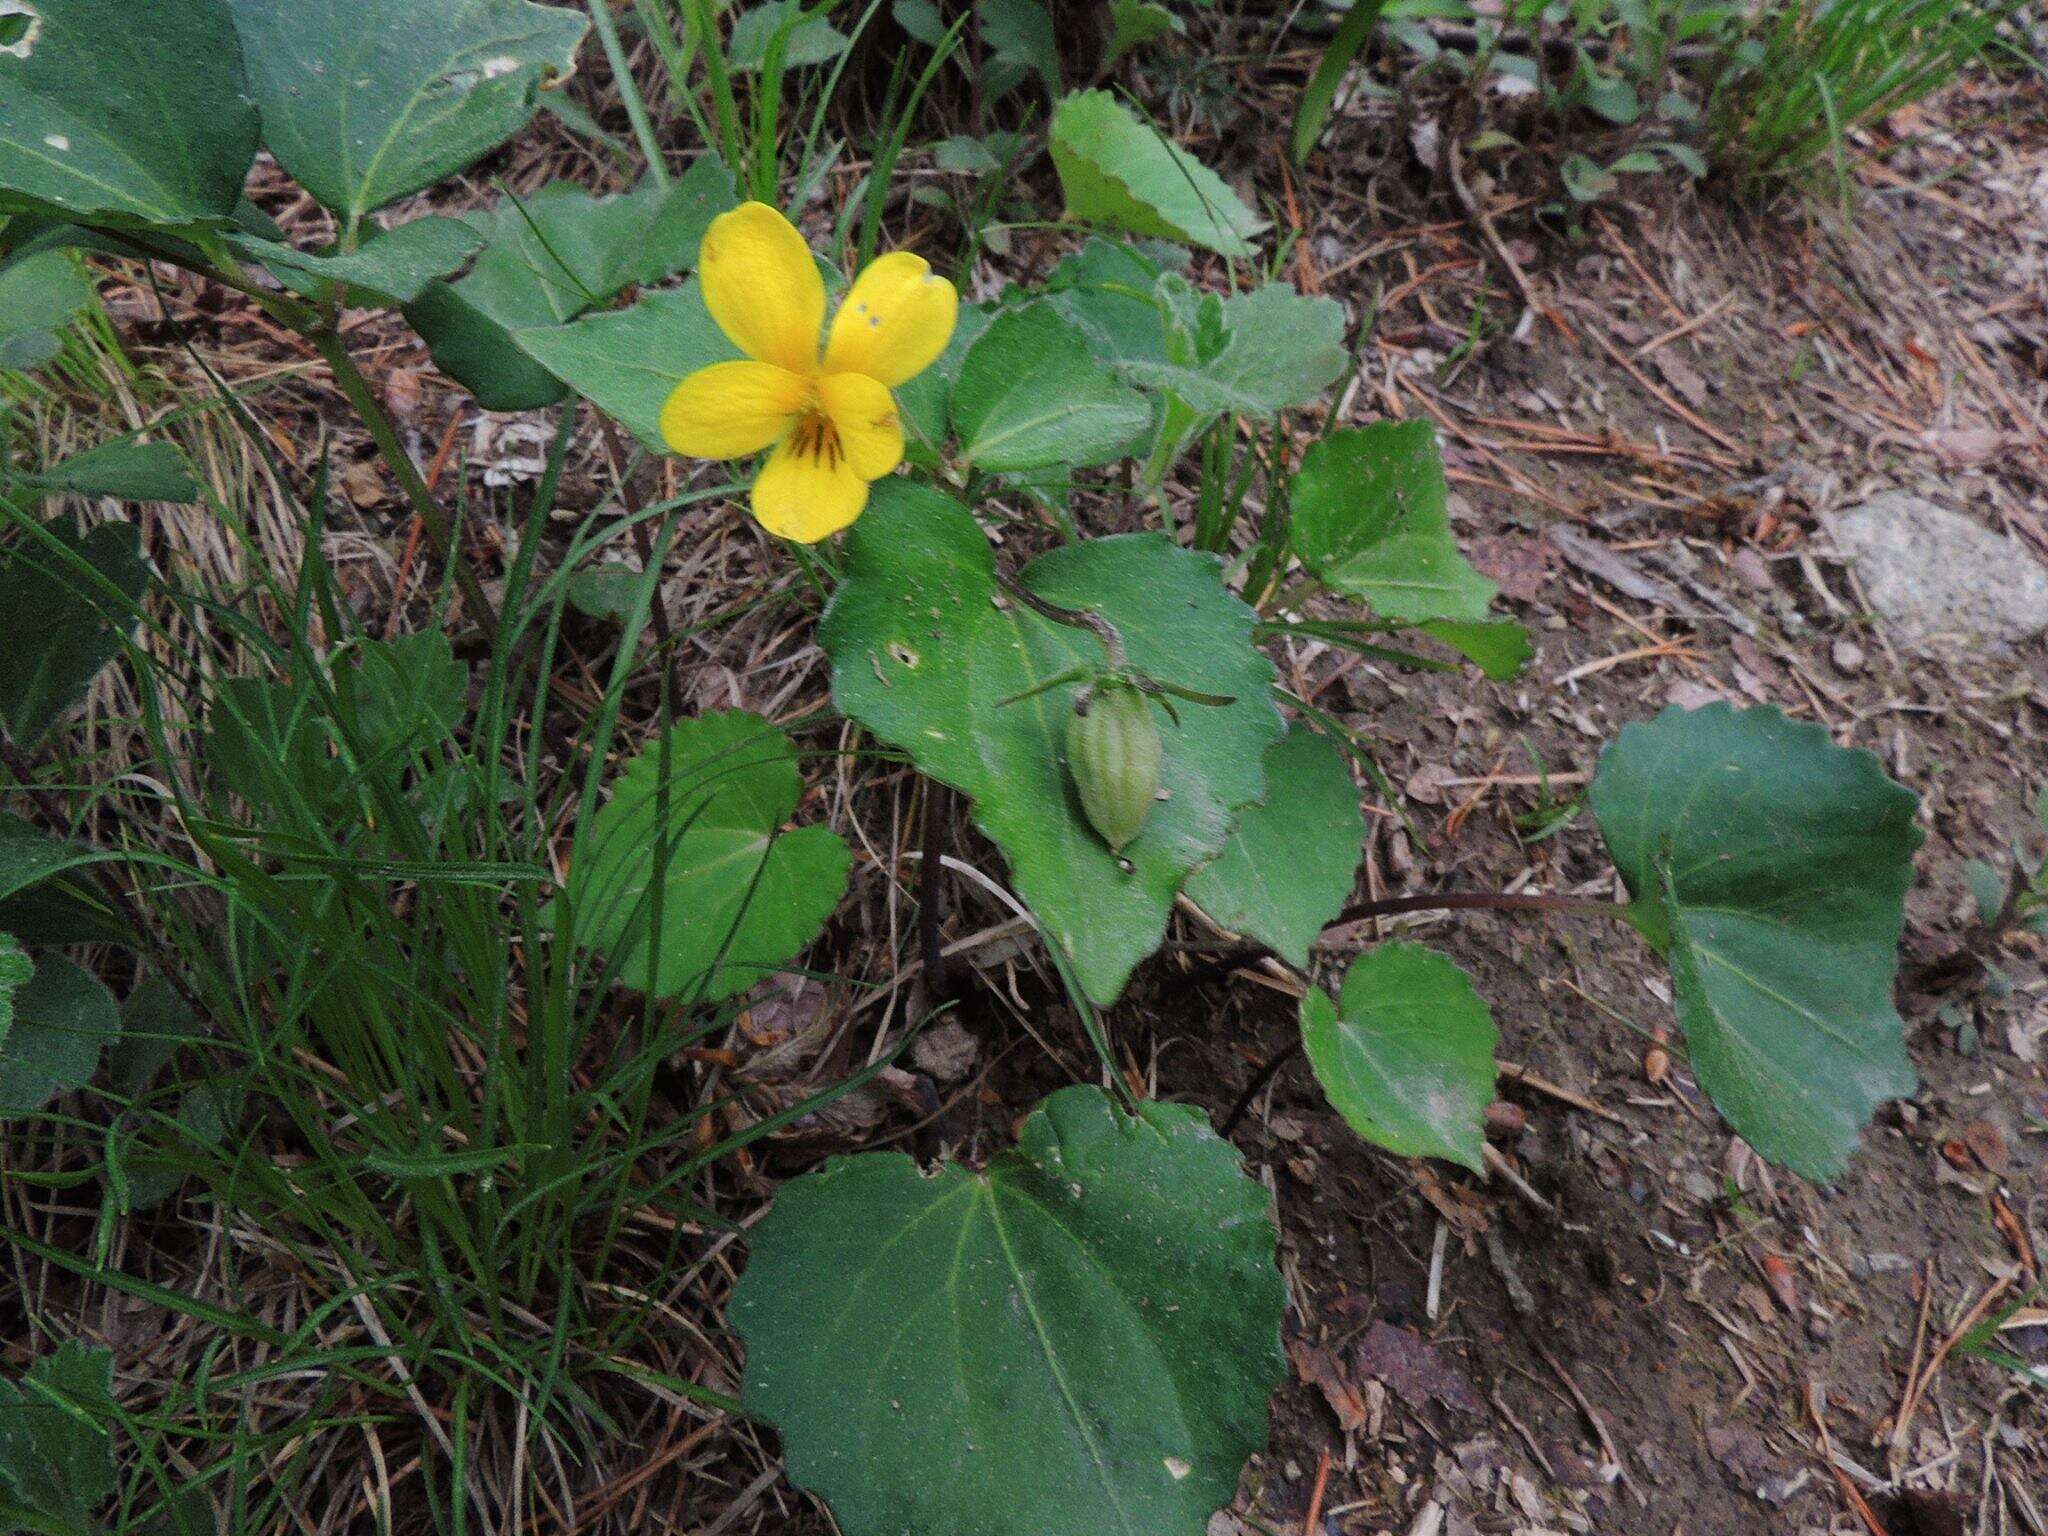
(830, 419)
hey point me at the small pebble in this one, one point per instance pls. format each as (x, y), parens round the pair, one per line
(1848, 657)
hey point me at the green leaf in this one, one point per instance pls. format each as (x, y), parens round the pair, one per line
(66, 623)
(125, 470)
(1108, 289)
(924, 652)
(1119, 171)
(120, 113)
(63, 1018)
(28, 857)
(627, 362)
(393, 266)
(1312, 115)
(1278, 349)
(1029, 395)
(1500, 649)
(15, 971)
(1584, 180)
(812, 39)
(1290, 863)
(56, 1458)
(547, 259)
(1405, 1055)
(39, 295)
(1371, 520)
(365, 101)
(1987, 889)
(737, 899)
(1134, 23)
(1019, 35)
(1770, 867)
(1078, 1341)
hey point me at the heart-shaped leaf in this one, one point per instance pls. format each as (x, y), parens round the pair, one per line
(63, 1018)
(1130, 175)
(1262, 352)
(687, 881)
(1290, 863)
(119, 113)
(67, 612)
(125, 470)
(1029, 395)
(1770, 867)
(56, 1459)
(394, 266)
(365, 101)
(38, 296)
(1405, 1054)
(547, 259)
(1371, 519)
(1078, 1341)
(925, 652)
(627, 362)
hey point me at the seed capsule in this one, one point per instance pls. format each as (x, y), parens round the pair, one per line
(1114, 752)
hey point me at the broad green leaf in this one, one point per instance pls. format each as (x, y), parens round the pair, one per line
(56, 1458)
(393, 266)
(38, 296)
(1770, 867)
(925, 649)
(1134, 23)
(125, 470)
(1290, 863)
(734, 898)
(1130, 175)
(1277, 349)
(1371, 520)
(812, 39)
(1108, 289)
(365, 101)
(63, 1018)
(627, 362)
(1029, 395)
(547, 259)
(28, 857)
(65, 620)
(1500, 648)
(1019, 35)
(1079, 1340)
(15, 971)
(122, 113)
(1405, 1054)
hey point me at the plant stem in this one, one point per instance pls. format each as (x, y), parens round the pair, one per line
(1260, 1078)
(439, 532)
(1493, 901)
(643, 545)
(938, 983)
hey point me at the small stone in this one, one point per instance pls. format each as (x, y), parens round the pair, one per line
(1938, 579)
(1848, 657)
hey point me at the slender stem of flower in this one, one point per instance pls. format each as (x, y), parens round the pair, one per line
(938, 982)
(643, 545)
(439, 531)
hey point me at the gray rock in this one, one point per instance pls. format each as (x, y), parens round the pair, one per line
(1939, 580)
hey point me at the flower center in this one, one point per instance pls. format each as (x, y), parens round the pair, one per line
(815, 437)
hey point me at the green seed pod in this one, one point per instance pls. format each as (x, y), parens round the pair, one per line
(1113, 752)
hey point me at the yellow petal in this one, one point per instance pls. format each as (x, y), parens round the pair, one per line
(730, 410)
(762, 287)
(807, 492)
(895, 322)
(864, 415)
